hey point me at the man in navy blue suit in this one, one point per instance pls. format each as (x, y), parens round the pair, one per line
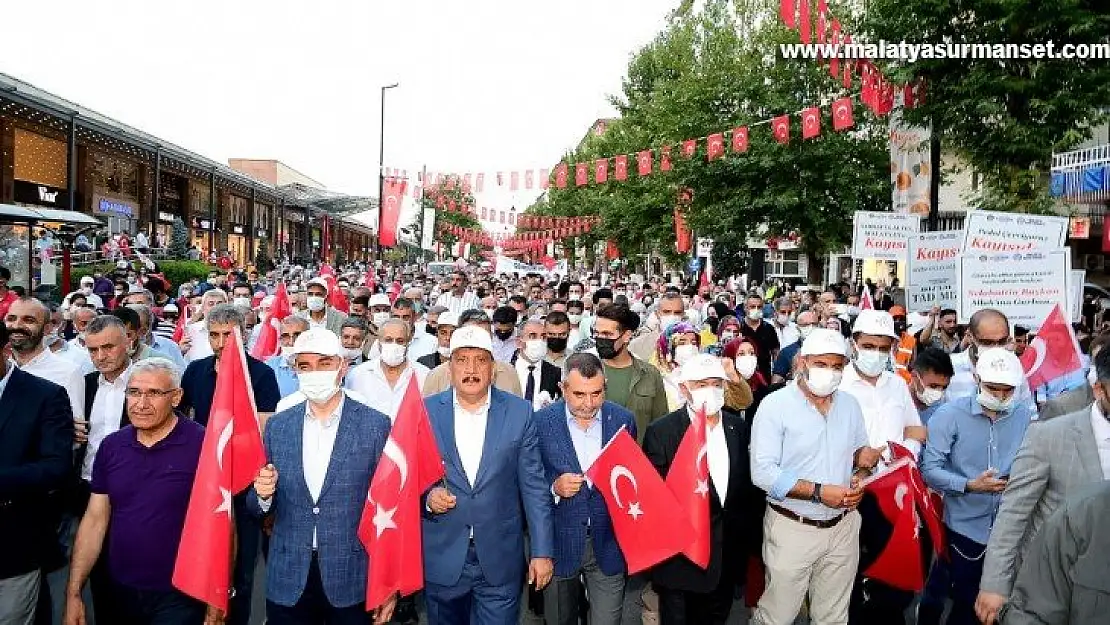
(572, 432)
(495, 484)
(327, 449)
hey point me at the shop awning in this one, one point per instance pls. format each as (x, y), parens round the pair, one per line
(10, 212)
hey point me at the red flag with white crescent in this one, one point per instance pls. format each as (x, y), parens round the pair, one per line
(688, 481)
(268, 343)
(811, 122)
(842, 114)
(780, 127)
(230, 458)
(740, 139)
(1053, 353)
(390, 213)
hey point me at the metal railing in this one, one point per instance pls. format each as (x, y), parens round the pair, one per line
(1082, 158)
(96, 257)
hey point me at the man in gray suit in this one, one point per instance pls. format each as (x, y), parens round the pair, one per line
(1057, 459)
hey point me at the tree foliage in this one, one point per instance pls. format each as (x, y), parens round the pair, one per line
(179, 239)
(440, 198)
(711, 70)
(1004, 117)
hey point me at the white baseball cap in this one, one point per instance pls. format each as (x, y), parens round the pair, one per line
(378, 299)
(702, 367)
(824, 341)
(875, 323)
(448, 318)
(320, 281)
(169, 308)
(470, 336)
(318, 341)
(997, 365)
(88, 280)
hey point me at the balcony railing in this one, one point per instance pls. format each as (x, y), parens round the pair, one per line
(1082, 176)
(1081, 159)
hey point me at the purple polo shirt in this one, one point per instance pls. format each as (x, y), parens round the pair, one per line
(148, 489)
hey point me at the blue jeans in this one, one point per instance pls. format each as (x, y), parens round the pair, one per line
(933, 597)
(248, 532)
(158, 607)
(473, 599)
(966, 568)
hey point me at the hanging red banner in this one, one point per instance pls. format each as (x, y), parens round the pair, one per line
(682, 233)
(390, 212)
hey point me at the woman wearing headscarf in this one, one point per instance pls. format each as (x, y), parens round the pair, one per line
(676, 345)
(728, 329)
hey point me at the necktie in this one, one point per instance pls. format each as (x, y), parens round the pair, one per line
(530, 390)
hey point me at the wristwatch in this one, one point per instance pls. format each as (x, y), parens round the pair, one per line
(816, 497)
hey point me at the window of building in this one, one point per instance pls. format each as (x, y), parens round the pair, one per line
(262, 216)
(785, 263)
(236, 209)
(114, 175)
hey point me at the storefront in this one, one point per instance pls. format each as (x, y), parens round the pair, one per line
(201, 229)
(294, 237)
(113, 184)
(171, 190)
(34, 194)
(202, 233)
(34, 267)
(263, 219)
(237, 244)
(121, 214)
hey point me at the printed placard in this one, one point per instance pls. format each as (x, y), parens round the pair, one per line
(1024, 286)
(931, 270)
(993, 232)
(883, 235)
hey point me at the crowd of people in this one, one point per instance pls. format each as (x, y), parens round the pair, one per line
(526, 378)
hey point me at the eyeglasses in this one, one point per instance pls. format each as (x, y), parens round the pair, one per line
(152, 394)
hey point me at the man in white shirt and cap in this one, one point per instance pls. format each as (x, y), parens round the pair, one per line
(808, 446)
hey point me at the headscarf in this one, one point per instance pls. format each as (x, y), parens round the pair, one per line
(664, 347)
(757, 381)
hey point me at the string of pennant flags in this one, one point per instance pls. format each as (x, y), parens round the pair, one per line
(554, 228)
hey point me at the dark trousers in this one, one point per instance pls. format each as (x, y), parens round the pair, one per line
(156, 607)
(472, 599)
(937, 587)
(965, 557)
(313, 607)
(680, 607)
(873, 601)
(248, 534)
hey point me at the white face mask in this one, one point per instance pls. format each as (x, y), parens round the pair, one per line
(574, 297)
(535, 350)
(352, 353)
(286, 351)
(990, 402)
(805, 331)
(683, 353)
(575, 318)
(930, 396)
(822, 381)
(755, 314)
(379, 318)
(712, 398)
(444, 352)
(318, 386)
(782, 319)
(727, 337)
(871, 363)
(489, 312)
(242, 301)
(315, 304)
(745, 365)
(393, 354)
(666, 321)
(1092, 376)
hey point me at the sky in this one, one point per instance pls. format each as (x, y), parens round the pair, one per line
(485, 85)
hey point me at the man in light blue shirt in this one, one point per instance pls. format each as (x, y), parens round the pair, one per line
(808, 440)
(291, 328)
(971, 445)
(989, 328)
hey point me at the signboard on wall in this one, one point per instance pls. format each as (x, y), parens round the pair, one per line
(114, 207)
(877, 234)
(40, 194)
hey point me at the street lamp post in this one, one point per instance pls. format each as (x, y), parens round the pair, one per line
(381, 162)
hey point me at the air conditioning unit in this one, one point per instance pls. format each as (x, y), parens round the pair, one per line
(1093, 262)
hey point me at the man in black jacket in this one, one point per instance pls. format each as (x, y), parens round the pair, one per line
(445, 326)
(687, 593)
(36, 459)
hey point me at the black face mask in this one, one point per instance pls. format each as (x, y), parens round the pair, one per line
(430, 330)
(900, 326)
(504, 335)
(607, 348)
(557, 345)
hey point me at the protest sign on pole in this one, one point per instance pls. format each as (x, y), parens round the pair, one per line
(883, 235)
(931, 270)
(993, 232)
(1024, 286)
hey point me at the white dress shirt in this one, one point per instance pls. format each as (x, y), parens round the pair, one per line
(60, 370)
(318, 439)
(457, 305)
(788, 335)
(887, 407)
(470, 436)
(716, 447)
(1101, 428)
(522, 374)
(104, 418)
(198, 335)
(368, 380)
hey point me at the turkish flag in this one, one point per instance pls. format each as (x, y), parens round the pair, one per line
(647, 520)
(740, 139)
(390, 523)
(789, 13)
(643, 164)
(714, 146)
(665, 161)
(865, 301)
(899, 565)
(529, 179)
(268, 343)
(847, 79)
(561, 176)
(804, 23)
(688, 480)
(842, 114)
(183, 316)
(612, 252)
(834, 62)
(689, 146)
(822, 18)
(682, 232)
(1054, 352)
(780, 127)
(811, 122)
(620, 167)
(390, 212)
(230, 458)
(545, 178)
(581, 176)
(601, 170)
(337, 298)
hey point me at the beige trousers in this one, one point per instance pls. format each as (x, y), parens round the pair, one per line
(802, 560)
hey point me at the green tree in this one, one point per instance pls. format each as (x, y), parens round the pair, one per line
(179, 239)
(1003, 117)
(441, 198)
(263, 261)
(711, 70)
